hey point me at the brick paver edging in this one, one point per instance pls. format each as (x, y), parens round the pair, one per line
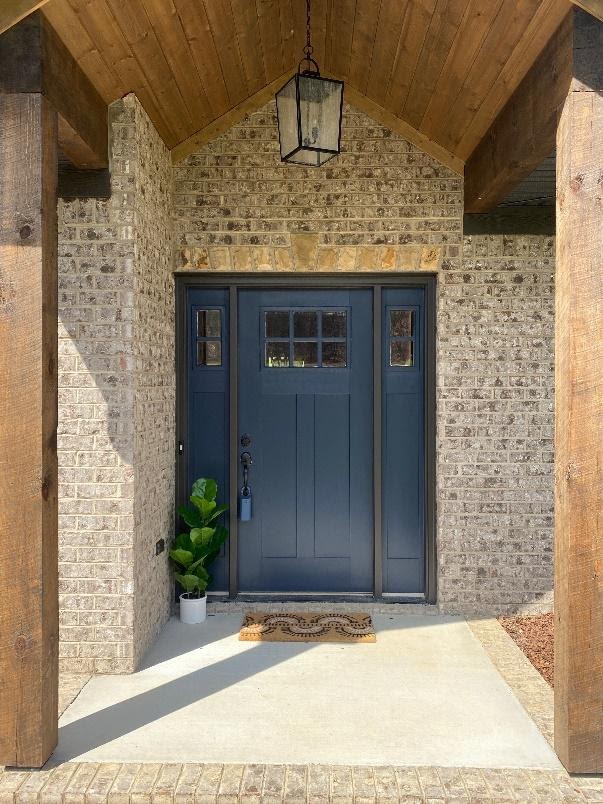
(173, 783)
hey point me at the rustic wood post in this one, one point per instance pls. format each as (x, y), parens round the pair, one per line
(28, 429)
(46, 101)
(579, 407)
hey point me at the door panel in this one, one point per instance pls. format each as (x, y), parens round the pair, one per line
(206, 451)
(305, 397)
(311, 430)
(403, 427)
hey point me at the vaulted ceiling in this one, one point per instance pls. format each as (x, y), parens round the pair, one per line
(444, 68)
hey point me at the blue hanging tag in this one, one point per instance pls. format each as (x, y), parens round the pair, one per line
(245, 504)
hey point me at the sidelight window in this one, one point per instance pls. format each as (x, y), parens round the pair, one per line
(305, 338)
(402, 335)
(209, 337)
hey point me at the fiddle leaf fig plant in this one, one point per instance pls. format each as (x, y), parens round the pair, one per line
(193, 552)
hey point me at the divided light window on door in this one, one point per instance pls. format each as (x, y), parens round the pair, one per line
(303, 338)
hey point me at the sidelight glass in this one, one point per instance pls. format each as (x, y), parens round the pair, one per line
(401, 323)
(209, 353)
(209, 337)
(401, 353)
(209, 323)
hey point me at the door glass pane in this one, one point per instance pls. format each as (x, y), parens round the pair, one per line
(277, 324)
(334, 324)
(334, 354)
(305, 354)
(401, 323)
(209, 353)
(305, 324)
(277, 354)
(401, 353)
(209, 323)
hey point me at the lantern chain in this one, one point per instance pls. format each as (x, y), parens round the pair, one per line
(308, 50)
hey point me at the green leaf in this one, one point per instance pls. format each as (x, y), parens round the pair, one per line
(197, 502)
(191, 516)
(201, 537)
(188, 582)
(183, 541)
(182, 557)
(216, 513)
(205, 487)
(211, 489)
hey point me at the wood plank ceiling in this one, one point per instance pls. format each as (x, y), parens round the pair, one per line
(443, 67)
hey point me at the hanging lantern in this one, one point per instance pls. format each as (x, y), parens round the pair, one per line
(309, 110)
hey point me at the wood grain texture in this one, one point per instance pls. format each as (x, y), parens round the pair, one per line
(444, 67)
(579, 409)
(543, 24)
(28, 412)
(226, 121)
(13, 11)
(34, 59)
(593, 7)
(524, 132)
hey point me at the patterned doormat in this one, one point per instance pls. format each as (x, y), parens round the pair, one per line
(306, 627)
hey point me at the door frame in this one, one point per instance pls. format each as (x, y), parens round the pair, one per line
(265, 280)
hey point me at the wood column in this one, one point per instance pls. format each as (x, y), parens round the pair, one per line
(579, 407)
(28, 430)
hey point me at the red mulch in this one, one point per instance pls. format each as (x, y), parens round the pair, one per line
(534, 634)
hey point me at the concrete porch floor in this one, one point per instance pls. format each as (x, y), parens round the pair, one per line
(426, 694)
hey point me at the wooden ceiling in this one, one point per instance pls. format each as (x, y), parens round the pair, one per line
(443, 68)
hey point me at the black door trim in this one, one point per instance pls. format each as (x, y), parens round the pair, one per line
(269, 280)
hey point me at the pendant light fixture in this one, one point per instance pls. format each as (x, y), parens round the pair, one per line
(309, 110)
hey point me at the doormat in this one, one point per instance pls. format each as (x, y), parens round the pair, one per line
(306, 627)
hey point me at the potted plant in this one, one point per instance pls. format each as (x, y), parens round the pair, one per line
(193, 552)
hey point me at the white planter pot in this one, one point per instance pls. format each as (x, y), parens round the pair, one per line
(192, 609)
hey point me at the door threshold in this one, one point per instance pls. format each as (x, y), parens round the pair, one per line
(318, 597)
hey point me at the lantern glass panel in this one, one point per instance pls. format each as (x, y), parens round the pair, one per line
(320, 108)
(286, 108)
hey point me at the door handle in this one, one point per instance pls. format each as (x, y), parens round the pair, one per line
(245, 498)
(246, 461)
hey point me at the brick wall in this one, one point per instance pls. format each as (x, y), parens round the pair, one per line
(495, 426)
(382, 205)
(115, 436)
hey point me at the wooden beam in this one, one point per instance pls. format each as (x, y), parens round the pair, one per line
(28, 431)
(228, 119)
(578, 408)
(593, 7)
(33, 59)
(524, 132)
(13, 11)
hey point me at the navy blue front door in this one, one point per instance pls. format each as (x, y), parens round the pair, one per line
(305, 400)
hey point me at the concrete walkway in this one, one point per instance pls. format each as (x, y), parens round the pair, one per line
(426, 694)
